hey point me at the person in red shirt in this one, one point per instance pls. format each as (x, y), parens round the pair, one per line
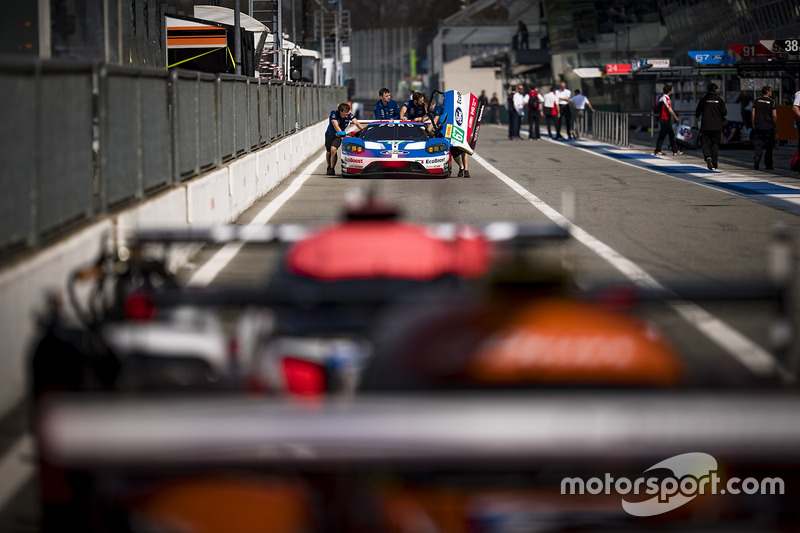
(665, 116)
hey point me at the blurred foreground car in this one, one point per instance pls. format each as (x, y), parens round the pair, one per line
(543, 461)
(487, 385)
(359, 268)
(113, 337)
(307, 332)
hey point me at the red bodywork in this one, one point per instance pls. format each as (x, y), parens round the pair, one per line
(388, 249)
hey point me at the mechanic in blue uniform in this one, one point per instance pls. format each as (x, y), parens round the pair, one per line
(414, 109)
(434, 114)
(340, 118)
(386, 108)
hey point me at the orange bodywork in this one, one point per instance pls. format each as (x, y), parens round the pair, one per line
(221, 505)
(558, 341)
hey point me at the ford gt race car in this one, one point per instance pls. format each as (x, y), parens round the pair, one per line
(395, 147)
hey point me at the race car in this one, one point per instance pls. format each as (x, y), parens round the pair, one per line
(395, 147)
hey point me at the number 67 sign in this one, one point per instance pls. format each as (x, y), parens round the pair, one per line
(710, 57)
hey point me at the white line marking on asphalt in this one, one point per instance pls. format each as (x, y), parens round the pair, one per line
(753, 357)
(204, 275)
(16, 468)
(712, 180)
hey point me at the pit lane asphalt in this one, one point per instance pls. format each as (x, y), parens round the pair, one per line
(670, 227)
(651, 211)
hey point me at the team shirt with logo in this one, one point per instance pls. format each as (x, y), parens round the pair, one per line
(413, 110)
(390, 111)
(343, 122)
(763, 107)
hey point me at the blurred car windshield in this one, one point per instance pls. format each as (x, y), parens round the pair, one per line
(394, 132)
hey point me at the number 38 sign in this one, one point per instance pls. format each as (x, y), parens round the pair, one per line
(791, 46)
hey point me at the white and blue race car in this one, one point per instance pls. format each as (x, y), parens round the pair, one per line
(397, 148)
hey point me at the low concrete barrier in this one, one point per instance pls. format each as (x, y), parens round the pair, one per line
(218, 197)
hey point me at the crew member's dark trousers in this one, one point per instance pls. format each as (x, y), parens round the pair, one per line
(533, 124)
(709, 141)
(763, 140)
(513, 123)
(665, 130)
(550, 120)
(566, 115)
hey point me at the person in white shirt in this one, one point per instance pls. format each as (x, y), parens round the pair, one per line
(796, 109)
(519, 109)
(552, 111)
(579, 102)
(564, 95)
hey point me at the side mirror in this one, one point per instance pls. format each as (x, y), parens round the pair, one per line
(295, 75)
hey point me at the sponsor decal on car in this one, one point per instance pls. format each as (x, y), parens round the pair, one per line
(437, 160)
(459, 116)
(473, 108)
(354, 161)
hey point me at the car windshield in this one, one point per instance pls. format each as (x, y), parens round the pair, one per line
(394, 132)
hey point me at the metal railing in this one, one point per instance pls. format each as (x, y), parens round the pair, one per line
(82, 139)
(610, 126)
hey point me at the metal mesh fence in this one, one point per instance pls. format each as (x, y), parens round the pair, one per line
(82, 139)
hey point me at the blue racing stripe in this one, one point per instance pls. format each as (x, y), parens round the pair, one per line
(755, 187)
(679, 169)
(620, 155)
(760, 191)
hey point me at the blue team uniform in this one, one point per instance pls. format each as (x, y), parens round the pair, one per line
(343, 122)
(413, 110)
(390, 111)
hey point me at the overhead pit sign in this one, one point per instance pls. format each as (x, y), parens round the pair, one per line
(753, 50)
(711, 57)
(618, 68)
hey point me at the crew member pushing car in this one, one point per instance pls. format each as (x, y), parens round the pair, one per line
(341, 117)
(414, 109)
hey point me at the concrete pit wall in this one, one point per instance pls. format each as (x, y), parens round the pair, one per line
(218, 197)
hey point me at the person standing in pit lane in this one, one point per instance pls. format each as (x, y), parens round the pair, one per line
(796, 111)
(494, 107)
(712, 108)
(665, 116)
(414, 109)
(512, 116)
(460, 157)
(483, 99)
(385, 107)
(564, 95)
(552, 111)
(534, 101)
(340, 118)
(580, 102)
(764, 118)
(516, 110)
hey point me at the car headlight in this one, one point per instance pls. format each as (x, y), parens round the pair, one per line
(436, 148)
(353, 148)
